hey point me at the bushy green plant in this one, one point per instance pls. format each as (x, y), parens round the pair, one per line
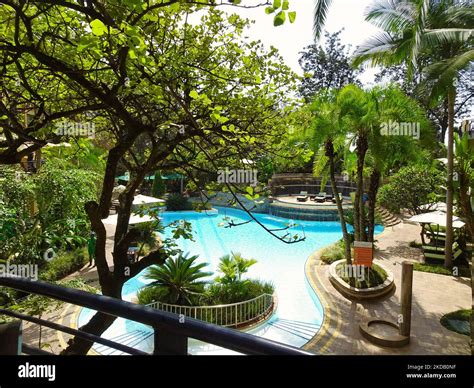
(333, 252)
(181, 277)
(65, 263)
(233, 266)
(177, 202)
(44, 210)
(148, 295)
(410, 188)
(226, 293)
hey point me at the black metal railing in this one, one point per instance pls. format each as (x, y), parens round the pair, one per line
(171, 331)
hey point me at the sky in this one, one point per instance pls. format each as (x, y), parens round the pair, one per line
(290, 39)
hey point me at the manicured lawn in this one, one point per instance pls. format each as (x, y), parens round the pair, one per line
(457, 321)
(439, 269)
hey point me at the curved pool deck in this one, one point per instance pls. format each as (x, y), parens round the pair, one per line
(299, 314)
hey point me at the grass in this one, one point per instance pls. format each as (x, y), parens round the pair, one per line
(414, 244)
(372, 277)
(439, 269)
(459, 315)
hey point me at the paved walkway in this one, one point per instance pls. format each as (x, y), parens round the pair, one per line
(433, 296)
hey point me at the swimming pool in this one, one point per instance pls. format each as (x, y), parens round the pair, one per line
(299, 314)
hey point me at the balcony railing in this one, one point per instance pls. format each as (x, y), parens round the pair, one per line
(228, 315)
(171, 332)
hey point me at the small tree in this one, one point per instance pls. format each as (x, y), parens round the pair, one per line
(326, 67)
(233, 266)
(410, 188)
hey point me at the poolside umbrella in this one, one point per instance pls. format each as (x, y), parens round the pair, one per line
(436, 217)
(147, 200)
(111, 222)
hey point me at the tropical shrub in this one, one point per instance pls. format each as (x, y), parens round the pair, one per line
(226, 293)
(65, 263)
(147, 295)
(333, 252)
(410, 188)
(232, 267)
(44, 210)
(177, 202)
(181, 278)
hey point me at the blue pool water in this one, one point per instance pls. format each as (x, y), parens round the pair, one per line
(299, 314)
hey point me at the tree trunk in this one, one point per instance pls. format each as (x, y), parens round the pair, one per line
(97, 325)
(359, 214)
(373, 190)
(448, 248)
(340, 210)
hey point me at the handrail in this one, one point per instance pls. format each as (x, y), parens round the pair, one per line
(228, 315)
(172, 331)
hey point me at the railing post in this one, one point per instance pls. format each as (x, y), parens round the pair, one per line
(169, 343)
(11, 338)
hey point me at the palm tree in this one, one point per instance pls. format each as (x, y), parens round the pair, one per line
(180, 277)
(464, 168)
(233, 266)
(328, 139)
(321, 8)
(441, 31)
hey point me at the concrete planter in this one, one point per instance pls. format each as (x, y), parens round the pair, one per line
(354, 293)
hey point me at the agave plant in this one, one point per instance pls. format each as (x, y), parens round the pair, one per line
(181, 277)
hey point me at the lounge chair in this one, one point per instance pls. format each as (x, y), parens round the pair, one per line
(302, 196)
(321, 197)
(435, 254)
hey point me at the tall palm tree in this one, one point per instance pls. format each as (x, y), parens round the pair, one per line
(329, 138)
(443, 32)
(180, 277)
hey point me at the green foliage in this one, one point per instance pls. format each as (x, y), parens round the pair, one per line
(232, 267)
(64, 263)
(333, 252)
(227, 293)
(463, 270)
(147, 295)
(44, 210)
(181, 277)
(177, 202)
(326, 67)
(410, 188)
(159, 187)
